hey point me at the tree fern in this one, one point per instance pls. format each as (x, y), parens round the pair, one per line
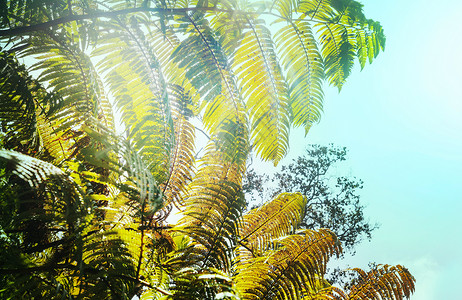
(91, 208)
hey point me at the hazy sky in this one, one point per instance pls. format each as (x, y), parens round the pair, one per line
(401, 119)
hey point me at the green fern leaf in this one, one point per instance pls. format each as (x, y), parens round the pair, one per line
(345, 34)
(136, 82)
(303, 63)
(264, 88)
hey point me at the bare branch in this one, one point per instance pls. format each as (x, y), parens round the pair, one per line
(23, 30)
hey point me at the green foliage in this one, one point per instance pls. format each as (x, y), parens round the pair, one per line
(224, 54)
(89, 201)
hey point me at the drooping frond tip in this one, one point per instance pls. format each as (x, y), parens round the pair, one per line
(383, 282)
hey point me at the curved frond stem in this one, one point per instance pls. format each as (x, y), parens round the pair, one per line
(148, 60)
(203, 132)
(54, 129)
(318, 6)
(76, 60)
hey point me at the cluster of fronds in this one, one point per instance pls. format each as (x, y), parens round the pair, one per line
(85, 200)
(239, 62)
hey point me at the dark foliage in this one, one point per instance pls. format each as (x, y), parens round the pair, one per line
(333, 201)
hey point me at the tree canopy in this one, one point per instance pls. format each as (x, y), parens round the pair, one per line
(85, 201)
(333, 201)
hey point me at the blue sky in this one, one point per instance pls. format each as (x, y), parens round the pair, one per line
(401, 119)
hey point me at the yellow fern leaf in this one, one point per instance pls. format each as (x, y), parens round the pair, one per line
(383, 282)
(274, 219)
(279, 274)
(303, 63)
(266, 93)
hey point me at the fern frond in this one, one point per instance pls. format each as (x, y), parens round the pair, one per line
(315, 10)
(383, 282)
(345, 34)
(164, 42)
(137, 184)
(182, 161)
(46, 198)
(338, 52)
(281, 273)
(131, 212)
(137, 84)
(34, 171)
(214, 202)
(303, 64)
(230, 146)
(211, 220)
(202, 57)
(230, 25)
(25, 109)
(274, 219)
(207, 71)
(48, 214)
(23, 13)
(265, 90)
(321, 290)
(69, 73)
(211, 284)
(64, 240)
(286, 8)
(107, 268)
(203, 69)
